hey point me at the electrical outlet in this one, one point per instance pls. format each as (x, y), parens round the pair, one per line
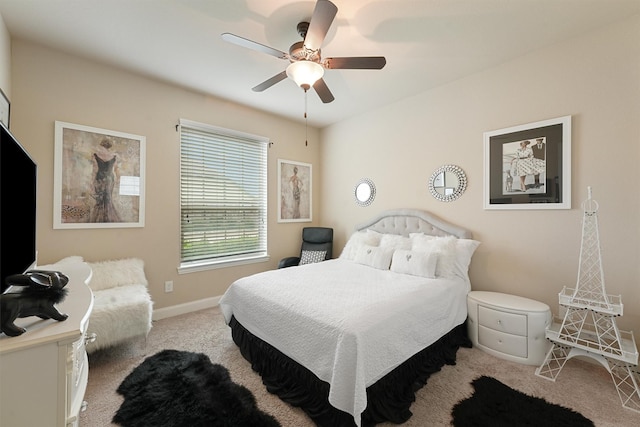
(168, 286)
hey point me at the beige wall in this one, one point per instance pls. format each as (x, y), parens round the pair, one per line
(595, 79)
(50, 86)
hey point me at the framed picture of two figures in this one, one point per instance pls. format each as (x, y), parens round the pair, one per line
(528, 166)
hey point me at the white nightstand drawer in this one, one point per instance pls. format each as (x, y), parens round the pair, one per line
(514, 345)
(510, 323)
(508, 326)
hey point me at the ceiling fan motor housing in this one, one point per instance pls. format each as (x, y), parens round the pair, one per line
(298, 52)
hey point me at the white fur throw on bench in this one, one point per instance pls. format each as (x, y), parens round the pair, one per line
(122, 306)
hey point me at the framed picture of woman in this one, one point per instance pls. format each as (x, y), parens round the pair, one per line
(98, 178)
(294, 191)
(528, 166)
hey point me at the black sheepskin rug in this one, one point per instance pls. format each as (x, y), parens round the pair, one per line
(497, 405)
(178, 388)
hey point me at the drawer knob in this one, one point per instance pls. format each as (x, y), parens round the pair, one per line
(90, 338)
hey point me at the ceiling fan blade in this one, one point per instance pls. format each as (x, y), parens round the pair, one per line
(270, 82)
(321, 20)
(323, 91)
(250, 44)
(356, 63)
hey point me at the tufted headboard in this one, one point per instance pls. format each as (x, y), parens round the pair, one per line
(405, 221)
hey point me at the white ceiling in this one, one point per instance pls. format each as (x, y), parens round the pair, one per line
(427, 43)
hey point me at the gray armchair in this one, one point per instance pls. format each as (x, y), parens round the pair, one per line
(317, 245)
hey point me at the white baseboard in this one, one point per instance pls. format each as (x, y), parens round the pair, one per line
(188, 307)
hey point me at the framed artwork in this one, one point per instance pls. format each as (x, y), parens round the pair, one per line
(294, 191)
(5, 109)
(528, 166)
(98, 178)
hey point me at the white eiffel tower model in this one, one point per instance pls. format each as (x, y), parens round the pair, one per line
(589, 324)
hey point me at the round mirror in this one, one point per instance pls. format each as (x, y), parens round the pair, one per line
(448, 183)
(365, 192)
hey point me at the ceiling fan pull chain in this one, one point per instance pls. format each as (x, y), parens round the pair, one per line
(306, 127)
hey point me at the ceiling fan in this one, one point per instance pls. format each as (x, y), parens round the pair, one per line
(307, 66)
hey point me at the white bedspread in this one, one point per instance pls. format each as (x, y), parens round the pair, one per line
(348, 323)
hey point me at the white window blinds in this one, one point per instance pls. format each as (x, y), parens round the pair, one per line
(223, 194)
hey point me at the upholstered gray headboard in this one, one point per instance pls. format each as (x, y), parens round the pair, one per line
(405, 221)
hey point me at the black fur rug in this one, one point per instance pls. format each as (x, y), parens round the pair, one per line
(497, 405)
(179, 388)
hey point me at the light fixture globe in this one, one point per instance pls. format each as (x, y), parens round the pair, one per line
(305, 73)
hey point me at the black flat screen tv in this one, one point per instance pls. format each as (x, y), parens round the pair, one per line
(18, 188)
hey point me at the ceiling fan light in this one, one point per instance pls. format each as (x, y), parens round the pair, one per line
(305, 73)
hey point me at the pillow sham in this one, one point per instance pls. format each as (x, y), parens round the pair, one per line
(310, 257)
(374, 256)
(421, 264)
(443, 247)
(395, 241)
(465, 249)
(357, 239)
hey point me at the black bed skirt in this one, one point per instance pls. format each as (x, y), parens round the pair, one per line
(389, 399)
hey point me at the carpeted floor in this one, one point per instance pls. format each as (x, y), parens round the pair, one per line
(581, 386)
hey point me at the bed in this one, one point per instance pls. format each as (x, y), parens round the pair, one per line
(350, 340)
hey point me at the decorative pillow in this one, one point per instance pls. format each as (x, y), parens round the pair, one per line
(395, 241)
(464, 251)
(310, 257)
(444, 247)
(357, 239)
(112, 273)
(374, 256)
(414, 263)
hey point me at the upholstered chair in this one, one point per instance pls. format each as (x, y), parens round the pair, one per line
(317, 245)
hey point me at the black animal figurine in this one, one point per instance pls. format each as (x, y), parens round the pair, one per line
(33, 293)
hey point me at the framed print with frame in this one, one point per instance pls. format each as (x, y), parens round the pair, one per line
(98, 178)
(528, 166)
(294, 191)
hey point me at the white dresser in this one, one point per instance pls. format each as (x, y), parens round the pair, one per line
(44, 372)
(509, 326)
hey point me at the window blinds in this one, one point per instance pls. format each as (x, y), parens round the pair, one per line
(223, 193)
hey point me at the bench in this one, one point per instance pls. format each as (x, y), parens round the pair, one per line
(122, 306)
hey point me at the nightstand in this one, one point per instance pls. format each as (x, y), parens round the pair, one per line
(508, 326)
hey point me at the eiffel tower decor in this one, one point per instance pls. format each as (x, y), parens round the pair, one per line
(588, 327)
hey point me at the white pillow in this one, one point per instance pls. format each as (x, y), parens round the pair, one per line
(395, 241)
(357, 239)
(414, 263)
(464, 251)
(120, 272)
(374, 256)
(444, 247)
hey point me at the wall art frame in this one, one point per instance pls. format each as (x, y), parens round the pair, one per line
(294, 191)
(99, 178)
(5, 109)
(528, 166)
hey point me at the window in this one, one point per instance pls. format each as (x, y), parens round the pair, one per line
(223, 197)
